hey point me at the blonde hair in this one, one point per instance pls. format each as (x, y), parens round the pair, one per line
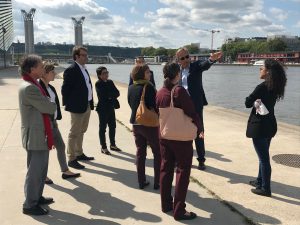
(48, 67)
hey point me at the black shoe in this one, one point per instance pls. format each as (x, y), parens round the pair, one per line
(115, 148)
(36, 211)
(156, 186)
(145, 184)
(254, 183)
(201, 166)
(45, 201)
(262, 192)
(48, 181)
(187, 217)
(105, 151)
(83, 157)
(67, 176)
(75, 164)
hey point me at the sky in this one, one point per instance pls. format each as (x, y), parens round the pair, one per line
(158, 23)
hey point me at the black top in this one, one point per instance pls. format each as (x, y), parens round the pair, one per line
(59, 116)
(74, 90)
(194, 83)
(260, 126)
(134, 97)
(151, 79)
(107, 93)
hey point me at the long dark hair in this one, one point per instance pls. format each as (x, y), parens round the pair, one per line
(276, 78)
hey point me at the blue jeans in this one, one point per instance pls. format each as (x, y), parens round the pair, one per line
(262, 146)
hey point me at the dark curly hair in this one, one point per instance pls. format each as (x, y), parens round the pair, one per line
(276, 77)
(170, 70)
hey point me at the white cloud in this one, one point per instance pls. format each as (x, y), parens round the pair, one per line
(279, 14)
(167, 23)
(133, 10)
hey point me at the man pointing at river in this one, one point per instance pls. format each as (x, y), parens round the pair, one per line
(191, 80)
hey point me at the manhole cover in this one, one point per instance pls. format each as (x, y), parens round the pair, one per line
(292, 160)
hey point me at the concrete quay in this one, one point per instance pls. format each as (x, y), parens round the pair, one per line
(107, 191)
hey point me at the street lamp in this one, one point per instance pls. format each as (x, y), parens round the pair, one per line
(4, 55)
(212, 38)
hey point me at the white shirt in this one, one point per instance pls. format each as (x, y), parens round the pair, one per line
(87, 81)
(184, 76)
(52, 99)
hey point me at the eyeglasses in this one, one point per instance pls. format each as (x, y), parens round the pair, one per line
(185, 57)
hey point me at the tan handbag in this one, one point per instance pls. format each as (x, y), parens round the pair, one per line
(145, 116)
(174, 124)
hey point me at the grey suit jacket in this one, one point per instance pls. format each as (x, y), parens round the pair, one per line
(32, 104)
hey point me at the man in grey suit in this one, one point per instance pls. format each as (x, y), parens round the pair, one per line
(36, 133)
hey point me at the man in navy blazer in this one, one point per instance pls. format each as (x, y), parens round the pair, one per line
(77, 97)
(191, 80)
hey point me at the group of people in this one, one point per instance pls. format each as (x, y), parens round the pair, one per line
(40, 108)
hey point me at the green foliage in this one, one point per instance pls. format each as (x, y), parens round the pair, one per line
(193, 49)
(232, 49)
(151, 51)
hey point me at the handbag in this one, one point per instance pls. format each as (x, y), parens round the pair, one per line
(174, 124)
(145, 116)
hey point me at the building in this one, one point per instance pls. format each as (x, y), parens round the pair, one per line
(285, 57)
(6, 29)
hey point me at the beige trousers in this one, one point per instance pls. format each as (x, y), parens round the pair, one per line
(79, 125)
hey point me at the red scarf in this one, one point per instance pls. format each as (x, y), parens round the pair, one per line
(46, 118)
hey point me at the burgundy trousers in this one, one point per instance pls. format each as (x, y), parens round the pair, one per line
(177, 154)
(146, 135)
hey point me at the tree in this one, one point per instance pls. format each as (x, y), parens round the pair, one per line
(193, 49)
(277, 45)
(161, 51)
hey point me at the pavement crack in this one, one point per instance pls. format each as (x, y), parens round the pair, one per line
(247, 220)
(9, 130)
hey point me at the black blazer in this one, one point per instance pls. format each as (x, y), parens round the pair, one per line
(107, 94)
(194, 82)
(261, 126)
(74, 90)
(59, 116)
(151, 79)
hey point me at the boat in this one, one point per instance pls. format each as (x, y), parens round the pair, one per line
(259, 63)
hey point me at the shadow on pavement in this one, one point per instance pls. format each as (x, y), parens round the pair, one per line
(277, 188)
(104, 204)
(56, 217)
(217, 211)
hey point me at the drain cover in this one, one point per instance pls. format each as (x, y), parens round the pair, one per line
(292, 160)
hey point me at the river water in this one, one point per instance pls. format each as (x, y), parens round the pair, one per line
(227, 86)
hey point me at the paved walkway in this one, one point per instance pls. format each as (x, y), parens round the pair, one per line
(107, 191)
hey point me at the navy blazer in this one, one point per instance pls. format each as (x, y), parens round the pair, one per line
(74, 90)
(194, 82)
(261, 126)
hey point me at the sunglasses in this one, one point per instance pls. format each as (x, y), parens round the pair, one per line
(184, 57)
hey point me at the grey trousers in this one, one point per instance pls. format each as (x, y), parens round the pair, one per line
(79, 125)
(37, 167)
(60, 147)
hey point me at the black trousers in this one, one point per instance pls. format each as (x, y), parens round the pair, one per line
(199, 142)
(107, 117)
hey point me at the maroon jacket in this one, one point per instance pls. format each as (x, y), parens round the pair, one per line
(181, 100)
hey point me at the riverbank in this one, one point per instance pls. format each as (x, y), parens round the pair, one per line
(107, 191)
